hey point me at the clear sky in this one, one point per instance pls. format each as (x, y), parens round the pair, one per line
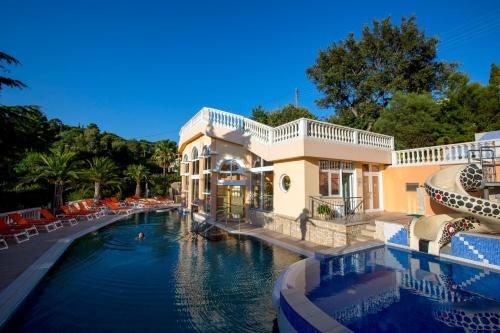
(142, 68)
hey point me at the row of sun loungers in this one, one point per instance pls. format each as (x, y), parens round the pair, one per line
(20, 229)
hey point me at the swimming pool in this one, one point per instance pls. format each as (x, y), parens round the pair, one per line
(392, 290)
(171, 281)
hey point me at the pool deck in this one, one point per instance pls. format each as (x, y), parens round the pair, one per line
(302, 247)
(23, 265)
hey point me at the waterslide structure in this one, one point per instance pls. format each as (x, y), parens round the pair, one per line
(456, 187)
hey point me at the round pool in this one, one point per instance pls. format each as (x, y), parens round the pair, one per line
(109, 281)
(392, 290)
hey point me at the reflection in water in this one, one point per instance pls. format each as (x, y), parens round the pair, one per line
(172, 280)
(386, 289)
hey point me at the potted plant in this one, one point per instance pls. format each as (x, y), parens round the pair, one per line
(324, 211)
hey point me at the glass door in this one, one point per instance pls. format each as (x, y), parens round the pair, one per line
(231, 199)
(371, 188)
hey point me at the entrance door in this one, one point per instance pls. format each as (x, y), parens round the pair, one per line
(231, 198)
(371, 188)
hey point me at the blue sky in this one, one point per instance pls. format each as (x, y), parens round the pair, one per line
(142, 68)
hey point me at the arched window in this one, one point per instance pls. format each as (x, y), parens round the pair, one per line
(195, 161)
(231, 170)
(207, 156)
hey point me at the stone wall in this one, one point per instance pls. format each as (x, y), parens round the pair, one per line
(326, 233)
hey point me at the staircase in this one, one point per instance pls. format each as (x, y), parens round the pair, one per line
(486, 158)
(367, 234)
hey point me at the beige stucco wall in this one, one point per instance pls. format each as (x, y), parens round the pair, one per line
(396, 199)
(304, 182)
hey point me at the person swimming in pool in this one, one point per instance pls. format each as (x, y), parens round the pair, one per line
(141, 236)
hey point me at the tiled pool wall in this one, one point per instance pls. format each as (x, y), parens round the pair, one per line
(484, 249)
(392, 233)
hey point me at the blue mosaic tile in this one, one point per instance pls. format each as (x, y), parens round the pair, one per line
(487, 248)
(400, 238)
(297, 322)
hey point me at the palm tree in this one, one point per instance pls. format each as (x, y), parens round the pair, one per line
(138, 173)
(102, 172)
(57, 168)
(165, 154)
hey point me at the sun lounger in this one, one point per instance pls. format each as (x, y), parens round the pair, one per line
(76, 214)
(97, 213)
(40, 225)
(68, 220)
(115, 209)
(18, 235)
(30, 230)
(3, 244)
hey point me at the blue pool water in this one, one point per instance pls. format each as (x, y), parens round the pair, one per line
(392, 290)
(109, 282)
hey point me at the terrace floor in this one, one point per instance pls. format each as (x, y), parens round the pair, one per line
(18, 257)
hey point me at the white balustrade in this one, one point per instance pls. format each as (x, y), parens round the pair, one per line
(286, 131)
(299, 128)
(445, 154)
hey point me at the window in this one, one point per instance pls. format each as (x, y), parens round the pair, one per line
(285, 183)
(195, 161)
(323, 184)
(185, 163)
(230, 170)
(267, 198)
(195, 189)
(335, 178)
(256, 190)
(207, 156)
(334, 183)
(261, 187)
(207, 187)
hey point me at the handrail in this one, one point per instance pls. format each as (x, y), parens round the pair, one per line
(456, 153)
(337, 209)
(299, 128)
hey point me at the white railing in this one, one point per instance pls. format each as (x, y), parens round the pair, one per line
(299, 128)
(29, 213)
(286, 131)
(446, 154)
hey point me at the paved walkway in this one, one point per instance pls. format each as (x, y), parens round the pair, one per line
(304, 248)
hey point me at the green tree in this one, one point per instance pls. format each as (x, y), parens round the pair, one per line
(57, 168)
(102, 172)
(6, 59)
(494, 75)
(260, 115)
(359, 77)
(281, 116)
(164, 154)
(411, 119)
(138, 173)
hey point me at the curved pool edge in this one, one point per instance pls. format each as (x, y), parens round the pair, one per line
(17, 291)
(296, 312)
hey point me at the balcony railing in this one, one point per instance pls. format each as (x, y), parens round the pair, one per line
(446, 154)
(300, 128)
(335, 209)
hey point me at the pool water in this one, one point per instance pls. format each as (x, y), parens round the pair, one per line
(392, 290)
(110, 282)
